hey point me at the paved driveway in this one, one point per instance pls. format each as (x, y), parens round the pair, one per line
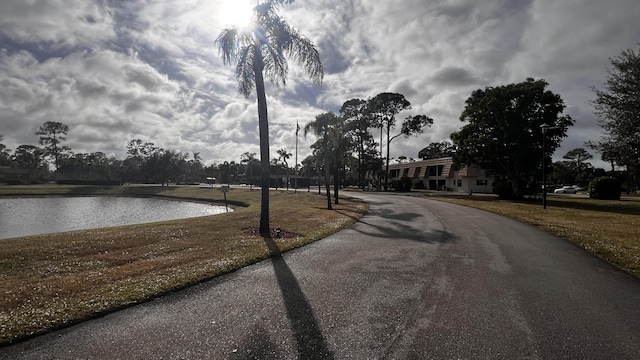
(415, 278)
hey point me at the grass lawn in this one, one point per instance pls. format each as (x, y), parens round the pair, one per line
(53, 280)
(608, 229)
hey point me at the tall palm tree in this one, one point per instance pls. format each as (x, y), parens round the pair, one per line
(263, 49)
(322, 128)
(340, 147)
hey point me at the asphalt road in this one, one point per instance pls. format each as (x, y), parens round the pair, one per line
(413, 279)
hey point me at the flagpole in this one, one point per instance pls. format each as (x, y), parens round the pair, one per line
(295, 189)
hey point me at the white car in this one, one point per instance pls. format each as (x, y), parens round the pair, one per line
(570, 189)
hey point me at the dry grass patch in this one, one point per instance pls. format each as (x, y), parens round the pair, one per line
(608, 229)
(52, 280)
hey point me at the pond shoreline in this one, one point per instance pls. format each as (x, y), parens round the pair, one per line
(37, 215)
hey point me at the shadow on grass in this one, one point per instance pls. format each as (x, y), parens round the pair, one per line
(310, 341)
(628, 207)
(623, 206)
(351, 216)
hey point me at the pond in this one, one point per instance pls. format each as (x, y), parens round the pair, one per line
(33, 216)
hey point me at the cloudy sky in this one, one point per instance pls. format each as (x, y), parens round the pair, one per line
(117, 70)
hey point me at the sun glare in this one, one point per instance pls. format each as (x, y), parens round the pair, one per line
(237, 13)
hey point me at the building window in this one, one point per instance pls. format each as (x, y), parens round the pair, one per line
(417, 173)
(435, 170)
(394, 173)
(459, 182)
(481, 182)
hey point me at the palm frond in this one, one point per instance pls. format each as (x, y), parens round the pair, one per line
(227, 43)
(275, 64)
(275, 40)
(269, 8)
(305, 53)
(291, 43)
(245, 73)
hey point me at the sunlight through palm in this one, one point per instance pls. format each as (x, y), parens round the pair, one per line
(237, 13)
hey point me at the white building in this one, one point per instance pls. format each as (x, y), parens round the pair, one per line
(439, 174)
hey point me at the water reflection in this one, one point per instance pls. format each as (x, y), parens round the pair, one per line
(32, 216)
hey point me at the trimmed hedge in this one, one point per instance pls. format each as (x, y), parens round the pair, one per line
(605, 188)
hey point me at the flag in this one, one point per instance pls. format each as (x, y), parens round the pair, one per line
(297, 127)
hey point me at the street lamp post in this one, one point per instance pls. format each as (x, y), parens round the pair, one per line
(544, 128)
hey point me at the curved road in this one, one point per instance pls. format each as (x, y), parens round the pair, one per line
(414, 279)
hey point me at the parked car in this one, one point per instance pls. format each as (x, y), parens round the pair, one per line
(550, 188)
(568, 189)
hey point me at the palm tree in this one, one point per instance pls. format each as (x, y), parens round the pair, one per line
(340, 151)
(322, 128)
(248, 158)
(263, 48)
(283, 155)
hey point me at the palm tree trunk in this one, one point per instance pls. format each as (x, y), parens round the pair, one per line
(319, 185)
(360, 155)
(327, 186)
(286, 173)
(386, 172)
(263, 125)
(337, 177)
(336, 184)
(327, 165)
(381, 128)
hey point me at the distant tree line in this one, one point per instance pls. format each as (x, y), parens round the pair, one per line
(144, 163)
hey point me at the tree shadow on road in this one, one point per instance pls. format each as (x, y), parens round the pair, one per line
(402, 231)
(262, 346)
(390, 214)
(310, 341)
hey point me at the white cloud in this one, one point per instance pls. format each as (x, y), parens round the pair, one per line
(114, 71)
(57, 24)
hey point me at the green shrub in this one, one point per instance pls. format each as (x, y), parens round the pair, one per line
(605, 188)
(502, 187)
(402, 185)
